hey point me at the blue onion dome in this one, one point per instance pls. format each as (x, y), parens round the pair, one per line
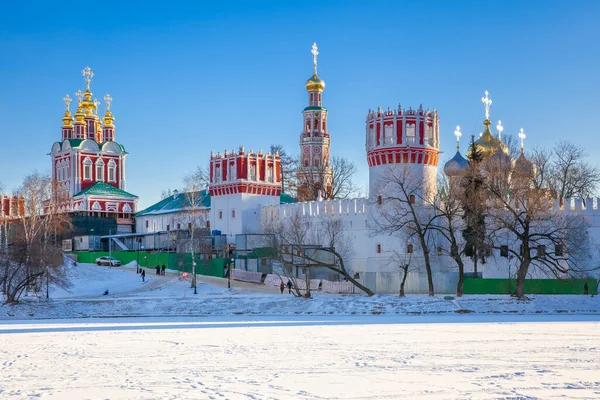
(524, 168)
(456, 166)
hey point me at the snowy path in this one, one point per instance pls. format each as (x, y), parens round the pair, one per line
(351, 357)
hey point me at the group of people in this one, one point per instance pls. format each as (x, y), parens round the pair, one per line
(160, 270)
(289, 286)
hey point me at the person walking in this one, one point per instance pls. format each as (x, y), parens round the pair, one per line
(163, 269)
(157, 269)
(143, 275)
(289, 285)
(281, 287)
(586, 289)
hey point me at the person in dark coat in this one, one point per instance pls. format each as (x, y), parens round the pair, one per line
(143, 275)
(289, 285)
(163, 269)
(586, 289)
(281, 287)
(157, 269)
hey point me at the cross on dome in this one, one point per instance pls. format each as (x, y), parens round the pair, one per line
(67, 99)
(487, 102)
(96, 104)
(500, 129)
(522, 136)
(79, 96)
(315, 53)
(458, 134)
(88, 74)
(108, 100)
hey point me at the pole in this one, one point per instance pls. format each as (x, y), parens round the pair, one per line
(47, 284)
(110, 246)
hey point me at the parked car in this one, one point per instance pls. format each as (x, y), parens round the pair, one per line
(111, 262)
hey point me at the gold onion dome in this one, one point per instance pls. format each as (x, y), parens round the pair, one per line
(456, 166)
(488, 144)
(500, 161)
(315, 83)
(524, 168)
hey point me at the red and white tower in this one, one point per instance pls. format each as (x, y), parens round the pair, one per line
(88, 165)
(314, 172)
(403, 138)
(239, 183)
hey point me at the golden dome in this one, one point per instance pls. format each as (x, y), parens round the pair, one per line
(108, 119)
(488, 143)
(315, 83)
(67, 120)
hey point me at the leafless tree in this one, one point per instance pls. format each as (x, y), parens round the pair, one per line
(570, 174)
(339, 174)
(541, 157)
(194, 212)
(404, 262)
(36, 251)
(401, 209)
(536, 231)
(448, 203)
(289, 165)
(302, 244)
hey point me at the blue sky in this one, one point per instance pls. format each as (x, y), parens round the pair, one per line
(188, 78)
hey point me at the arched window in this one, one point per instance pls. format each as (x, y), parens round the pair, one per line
(87, 169)
(112, 171)
(388, 134)
(412, 199)
(99, 170)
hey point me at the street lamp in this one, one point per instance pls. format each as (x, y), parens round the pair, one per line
(229, 273)
(194, 266)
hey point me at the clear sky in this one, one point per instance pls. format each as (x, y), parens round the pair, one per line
(188, 78)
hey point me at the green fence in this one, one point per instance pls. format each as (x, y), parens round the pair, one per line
(532, 286)
(173, 261)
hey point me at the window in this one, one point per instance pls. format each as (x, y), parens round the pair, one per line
(388, 134)
(317, 163)
(207, 224)
(504, 251)
(231, 175)
(189, 226)
(112, 171)
(218, 175)
(409, 248)
(558, 250)
(412, 199)
(379, 200)
(541, 250)
(168, 227)
(146, 224)
(100, 170)
(410, 130)
(378, 248)
(178, 226)
(232, 213)
(220, 214)
(270, 173)
(253, 172)
(87, 169)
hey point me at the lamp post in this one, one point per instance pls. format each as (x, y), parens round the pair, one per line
(229, 273)
(194, 266)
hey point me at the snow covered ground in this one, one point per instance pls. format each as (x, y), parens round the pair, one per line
(304, 357)
(251, 342)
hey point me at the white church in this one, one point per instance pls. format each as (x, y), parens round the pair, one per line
(245, 195)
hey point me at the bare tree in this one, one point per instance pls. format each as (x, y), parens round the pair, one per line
(36, 250)
(404, 262)
(300, 243)
(289, 165)
(194, 212)
(541, 157)
(333, 181)
(401, 209)
(570, 175)
(448, 203)
(537, 232)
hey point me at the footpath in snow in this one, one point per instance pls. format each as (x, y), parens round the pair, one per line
(170, 296)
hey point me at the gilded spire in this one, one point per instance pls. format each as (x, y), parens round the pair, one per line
(88, 74)
(458, 134)
(67, 119)
(487, 102)
(108, 117)
(315, 53)
(522, 136)
(108, 100)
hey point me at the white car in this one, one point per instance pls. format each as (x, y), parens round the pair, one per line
(111, 262)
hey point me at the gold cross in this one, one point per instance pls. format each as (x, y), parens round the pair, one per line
(88, 74)
(522, 136)
(315, 53)
(67, 99)
(79, 96)
(96, 104)
(486, 103)
(108, 100)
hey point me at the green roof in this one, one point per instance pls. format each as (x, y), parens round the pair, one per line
(75, 142)
(174, 204)
(104, 189)
(318, 108)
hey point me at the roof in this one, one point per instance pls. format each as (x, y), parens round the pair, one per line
(173, 204)
(104, 189)
(317, 108)
(176, 203)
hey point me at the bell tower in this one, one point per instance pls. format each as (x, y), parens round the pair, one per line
(314, 172)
